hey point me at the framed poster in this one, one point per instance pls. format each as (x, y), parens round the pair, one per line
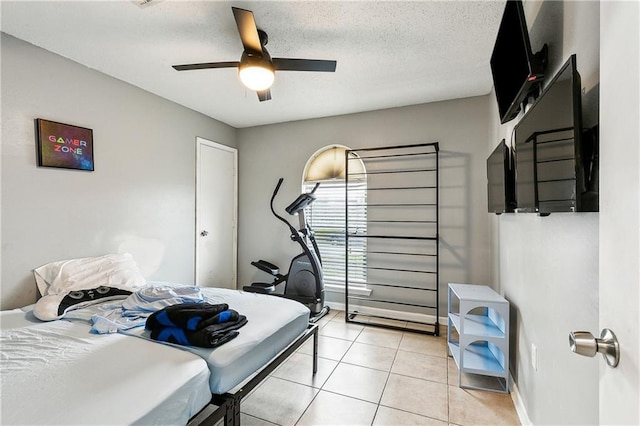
(64, 146)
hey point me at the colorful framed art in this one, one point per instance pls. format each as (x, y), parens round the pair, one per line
(64, 146)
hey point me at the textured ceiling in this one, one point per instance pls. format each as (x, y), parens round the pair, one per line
(389, 53)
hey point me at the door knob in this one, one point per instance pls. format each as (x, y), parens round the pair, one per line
(585, 344)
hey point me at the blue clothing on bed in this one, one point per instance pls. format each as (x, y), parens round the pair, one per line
(192, 324)
(135, 309)
(208, 337)
(191, 316)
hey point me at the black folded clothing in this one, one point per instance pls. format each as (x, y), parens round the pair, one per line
(195, 324)
(188, 316)
(208, 337)
(223, 317)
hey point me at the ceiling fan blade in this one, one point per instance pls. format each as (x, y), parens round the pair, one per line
(205, 65)
(264, 95)
(288, 64)
(247, 29)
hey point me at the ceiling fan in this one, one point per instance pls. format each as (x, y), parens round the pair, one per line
(256, 67)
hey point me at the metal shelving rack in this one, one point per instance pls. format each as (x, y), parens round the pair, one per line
(401, 241)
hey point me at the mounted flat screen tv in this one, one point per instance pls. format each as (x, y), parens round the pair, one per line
(501, 182)
(552, 172)
(516, 71)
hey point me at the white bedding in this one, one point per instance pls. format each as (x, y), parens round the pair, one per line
(59, 373)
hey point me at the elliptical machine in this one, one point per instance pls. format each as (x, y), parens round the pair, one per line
(303, 282)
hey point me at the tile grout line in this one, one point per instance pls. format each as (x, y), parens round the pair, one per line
(332, 372)
(395, 356)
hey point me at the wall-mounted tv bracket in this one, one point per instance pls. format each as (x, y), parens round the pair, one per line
(542, 57)
(540, 61)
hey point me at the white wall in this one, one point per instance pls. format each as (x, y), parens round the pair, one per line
(620, 208)
(548, 266)
(281, 150)
(141, 196)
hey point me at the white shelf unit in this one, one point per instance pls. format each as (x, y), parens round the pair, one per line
(479, 341)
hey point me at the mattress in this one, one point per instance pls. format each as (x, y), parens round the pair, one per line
(273, 324)
(59, 373)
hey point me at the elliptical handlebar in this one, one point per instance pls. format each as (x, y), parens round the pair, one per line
(275, 191)
(273, 197)
(299, 204)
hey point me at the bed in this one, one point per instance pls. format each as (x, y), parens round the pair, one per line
(58, 372)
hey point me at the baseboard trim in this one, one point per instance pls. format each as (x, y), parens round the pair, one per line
(336, 306)
(402, 316)
(518, 404)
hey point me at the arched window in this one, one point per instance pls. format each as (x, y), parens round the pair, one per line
(326, 215)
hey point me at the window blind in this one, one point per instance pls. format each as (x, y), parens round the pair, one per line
(326, 216)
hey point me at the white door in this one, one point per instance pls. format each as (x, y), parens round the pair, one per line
(620, 208)
(216, 214)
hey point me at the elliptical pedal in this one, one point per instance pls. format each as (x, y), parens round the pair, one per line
(267, 267)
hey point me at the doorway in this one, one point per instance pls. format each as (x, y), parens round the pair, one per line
(216, 215)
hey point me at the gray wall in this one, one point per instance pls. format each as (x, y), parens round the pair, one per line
(141, 196)
(281, 150)
(620, 208)
(547, 267)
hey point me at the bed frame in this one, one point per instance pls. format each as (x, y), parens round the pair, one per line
(227, 406)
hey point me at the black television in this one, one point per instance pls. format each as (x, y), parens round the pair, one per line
(554, 165)
(517, 72)
(501, 191)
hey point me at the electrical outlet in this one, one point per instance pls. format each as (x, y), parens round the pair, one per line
(534, 357)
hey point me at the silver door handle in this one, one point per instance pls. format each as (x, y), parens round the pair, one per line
(204, 233)
(585, 344)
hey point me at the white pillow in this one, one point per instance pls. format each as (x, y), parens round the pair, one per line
(75, 283)
(119, 270)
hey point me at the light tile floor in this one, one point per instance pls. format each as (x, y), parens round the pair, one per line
(372, 376)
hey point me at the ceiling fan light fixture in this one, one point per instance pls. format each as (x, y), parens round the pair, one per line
(256, 72)
(256, 77)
